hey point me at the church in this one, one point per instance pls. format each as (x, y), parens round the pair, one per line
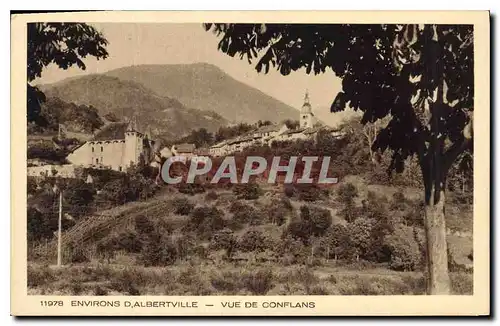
(306, 114)
(117, 146)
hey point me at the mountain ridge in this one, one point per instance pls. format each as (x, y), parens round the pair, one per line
(204, 86)
(165, 116)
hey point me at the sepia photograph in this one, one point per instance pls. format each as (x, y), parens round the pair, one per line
(250, 159)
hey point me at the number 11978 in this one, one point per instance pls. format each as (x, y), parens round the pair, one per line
(51, 303)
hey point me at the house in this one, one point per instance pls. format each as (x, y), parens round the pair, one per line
(116, 146)
(219, 149)
(201, 155)
(182, 152)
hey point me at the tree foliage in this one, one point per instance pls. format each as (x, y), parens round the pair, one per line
(62, 44)
(420, 76)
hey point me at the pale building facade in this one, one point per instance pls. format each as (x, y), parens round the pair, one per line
(117, 146)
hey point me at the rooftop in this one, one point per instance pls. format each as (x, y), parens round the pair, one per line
(185, 148)
(115, 130)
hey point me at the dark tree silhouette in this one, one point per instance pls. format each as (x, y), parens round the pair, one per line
(421, 76)
(64, 44)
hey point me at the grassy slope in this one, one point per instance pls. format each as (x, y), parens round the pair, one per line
(326, 278)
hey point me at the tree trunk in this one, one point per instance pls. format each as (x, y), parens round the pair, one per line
(437, 251)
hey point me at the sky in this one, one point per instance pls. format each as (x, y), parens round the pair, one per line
(167, 43)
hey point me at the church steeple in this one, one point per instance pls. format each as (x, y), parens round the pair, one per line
(306, 114)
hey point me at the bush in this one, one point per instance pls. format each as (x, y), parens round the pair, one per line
(224, 240)
(259, 282)
(347, 192)
(205, 220)
(182, 206)
(158, 251)
(305, 192)
(314, 221)
(143, 225)
(211, 195)
(253, 241)
(38, 276)
(247, 191)
(247, 215)
(226, 282)
(185, 245)
(404, 250)
(127, 241)
(191, 188)
(398, 201)
(278, 212)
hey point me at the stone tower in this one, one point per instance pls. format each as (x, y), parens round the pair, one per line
(306, 115)
(133, 144)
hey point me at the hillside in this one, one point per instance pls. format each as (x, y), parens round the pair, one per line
(167, 117)
(206, 87)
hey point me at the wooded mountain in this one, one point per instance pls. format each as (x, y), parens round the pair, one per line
(206, 87)
(166, 117)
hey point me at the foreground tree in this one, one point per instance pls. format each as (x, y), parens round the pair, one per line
(421, 76)
(64, 44)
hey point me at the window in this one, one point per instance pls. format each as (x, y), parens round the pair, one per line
(92, 149)
(101, 149)
(120, 168)
(96, 161)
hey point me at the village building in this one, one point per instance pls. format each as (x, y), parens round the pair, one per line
(117, 146)
(219, 149)
(182, 152)
(201, 155)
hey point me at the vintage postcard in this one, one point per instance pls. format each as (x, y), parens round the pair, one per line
(250, 163)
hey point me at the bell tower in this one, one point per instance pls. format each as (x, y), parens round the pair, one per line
(133, 143)
(306, 115)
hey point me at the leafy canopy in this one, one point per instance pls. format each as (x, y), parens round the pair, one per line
(63, 44)
(386, 70)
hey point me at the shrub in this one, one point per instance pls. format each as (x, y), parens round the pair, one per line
(259, 282)
(38, 276)
(115, 191)
(185, 245)
(278, 212)
(416, 214)
(78, 255)
(398, 201)
(247, 215)
(226, 282)
(191, 188)
(314, 221)
(347, 192)
(205, 220)
(143, 225)
(252, 241)
(211, 195)
(224, 240)
(182, 206)
(158, 251)
(404, 250)
(31, 186)
(100, 291)
(247, 191)
(306, 192)
(127, 241)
